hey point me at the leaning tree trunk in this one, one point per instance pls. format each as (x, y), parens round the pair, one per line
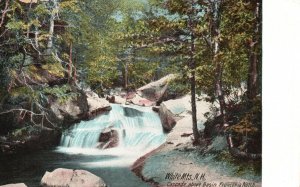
(252, 84)
(235, 152)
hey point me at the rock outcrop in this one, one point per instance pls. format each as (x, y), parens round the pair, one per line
(40, 74)
(28, 139)
(71, 178)
(87, 106)
(68, 112)
(43, 95)
(47, 122)
(155, 91)
(109, 138)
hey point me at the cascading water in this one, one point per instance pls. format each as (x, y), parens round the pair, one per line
(139, 131)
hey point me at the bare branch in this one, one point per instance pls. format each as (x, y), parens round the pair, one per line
(3, 33)
(23, 113)
(21, 110)
(4, 12)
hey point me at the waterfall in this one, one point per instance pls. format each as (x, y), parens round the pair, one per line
(139, 131)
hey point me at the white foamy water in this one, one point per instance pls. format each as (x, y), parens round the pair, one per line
(139, 130)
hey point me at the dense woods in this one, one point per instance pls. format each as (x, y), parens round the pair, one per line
(214, 46)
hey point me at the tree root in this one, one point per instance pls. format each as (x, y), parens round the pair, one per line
(235, 152)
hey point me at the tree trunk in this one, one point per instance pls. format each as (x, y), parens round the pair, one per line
(252, 74)
(126, 75)
(216, 60)
(252, 84)
(50, 38)
(70, 66)
(51, 28)
(27, 19)
(193, 103)
(193, 90)
(219, 90)
(74, 71)
(36, 37)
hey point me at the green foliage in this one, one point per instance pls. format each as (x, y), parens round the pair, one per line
(63, 93)
(33, 72)
(24, 90)
(91, 35)
(15, 25)
(141, 73)
(14, 60)
(245, 126)
(237, 28)
(178, 87)
(55, 69)
(41, 10)
(49, 59)
(247, 117)
(106, 40)
(23, 133)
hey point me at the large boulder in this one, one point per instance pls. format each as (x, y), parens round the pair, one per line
(96, 105)
(140, 101)
(116, 99)
(155, 91)
(71, 110)
(40, 74)
(120, 100)
(71, 178)
(147, 95)
(109, 138)
(88, 105)
(172, 111)
(14, 185)
(68, 112)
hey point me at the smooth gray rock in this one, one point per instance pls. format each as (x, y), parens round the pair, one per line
(155, 91)
(62, 177)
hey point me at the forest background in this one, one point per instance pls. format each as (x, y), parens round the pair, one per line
(22, 51)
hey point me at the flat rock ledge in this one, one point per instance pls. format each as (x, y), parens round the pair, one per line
(62, 177)
(14, 185)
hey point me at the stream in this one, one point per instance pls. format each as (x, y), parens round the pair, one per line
(139, 130)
